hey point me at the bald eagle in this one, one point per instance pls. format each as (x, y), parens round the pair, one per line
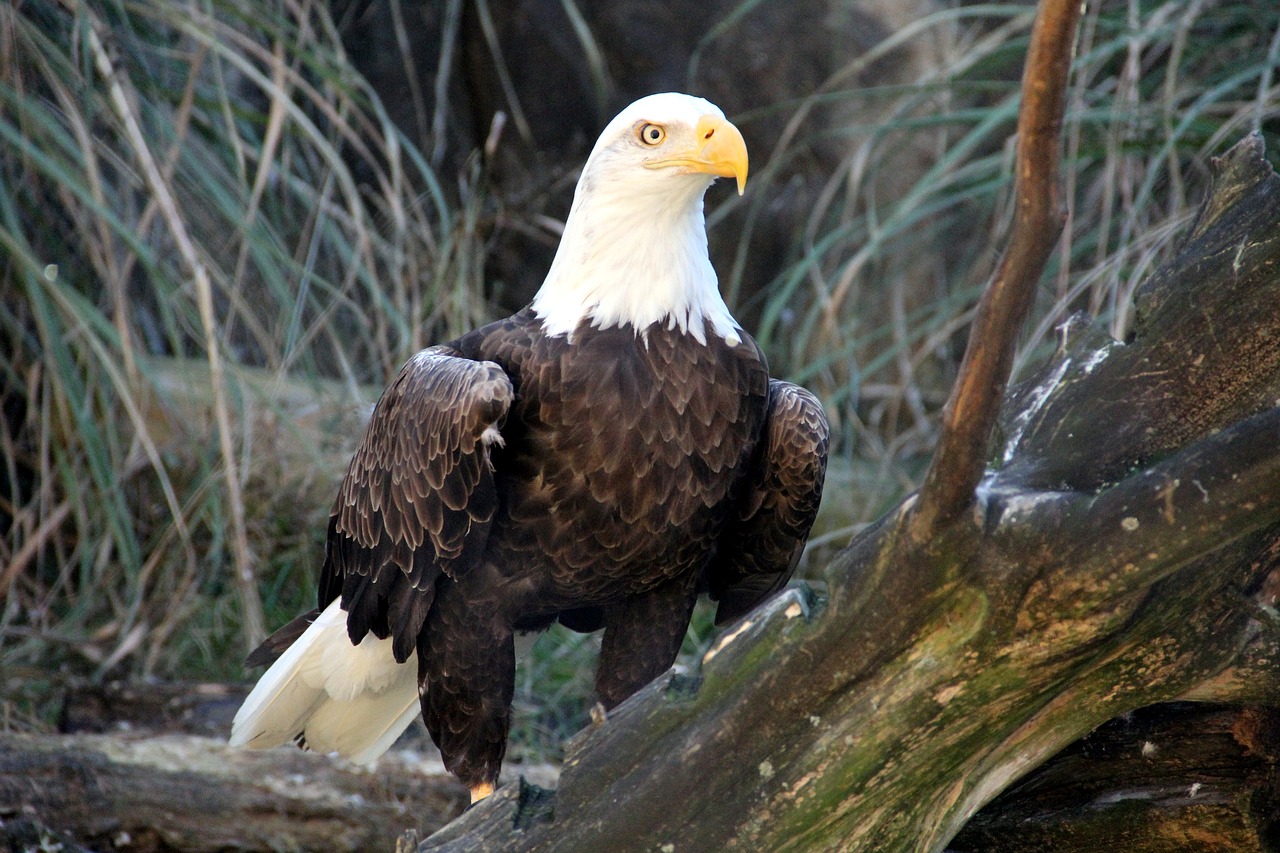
(596, 459)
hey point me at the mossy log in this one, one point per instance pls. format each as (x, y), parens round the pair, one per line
(1122, 552)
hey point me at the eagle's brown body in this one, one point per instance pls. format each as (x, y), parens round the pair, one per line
(627, 459)
(599, 458)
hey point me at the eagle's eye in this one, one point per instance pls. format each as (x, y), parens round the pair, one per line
(652, 134)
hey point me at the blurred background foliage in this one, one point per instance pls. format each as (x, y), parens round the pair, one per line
(225, 223)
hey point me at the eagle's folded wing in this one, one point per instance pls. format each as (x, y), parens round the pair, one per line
(417, 500)
(763, 540)
(419, 497)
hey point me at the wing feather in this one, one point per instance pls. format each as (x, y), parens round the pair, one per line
(764, 539)
(418, 497)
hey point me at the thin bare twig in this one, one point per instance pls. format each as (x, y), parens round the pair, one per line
(970, 414)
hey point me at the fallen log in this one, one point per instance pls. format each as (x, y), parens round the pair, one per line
(191, 793)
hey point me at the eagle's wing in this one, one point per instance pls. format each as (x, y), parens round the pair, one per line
(764, 539)
(419, 496)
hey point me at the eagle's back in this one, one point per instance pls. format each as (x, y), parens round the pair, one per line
(623, 455)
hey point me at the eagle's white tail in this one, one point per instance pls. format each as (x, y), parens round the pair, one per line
(330, 695)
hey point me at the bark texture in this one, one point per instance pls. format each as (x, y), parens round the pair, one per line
(1181, 776)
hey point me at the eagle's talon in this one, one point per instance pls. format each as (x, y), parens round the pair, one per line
(479, 792)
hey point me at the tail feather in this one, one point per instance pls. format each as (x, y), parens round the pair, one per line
(330, 695)
(363, 728)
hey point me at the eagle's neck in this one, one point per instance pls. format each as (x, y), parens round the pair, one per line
(635, 254)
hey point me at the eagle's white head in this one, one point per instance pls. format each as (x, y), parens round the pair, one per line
(634, 250)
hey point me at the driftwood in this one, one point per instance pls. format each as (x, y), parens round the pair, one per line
(183, 792)
(145, 767)
(1122, 552)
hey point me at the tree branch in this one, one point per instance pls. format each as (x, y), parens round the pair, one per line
(971, 411)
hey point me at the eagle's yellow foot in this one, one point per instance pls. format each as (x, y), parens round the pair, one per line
(479, 792)
(599, 714)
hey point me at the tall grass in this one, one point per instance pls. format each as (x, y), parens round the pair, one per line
(213, 182)
(873, 307)
(216, 246)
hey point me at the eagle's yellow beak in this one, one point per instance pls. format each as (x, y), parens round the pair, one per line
(717, 149)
